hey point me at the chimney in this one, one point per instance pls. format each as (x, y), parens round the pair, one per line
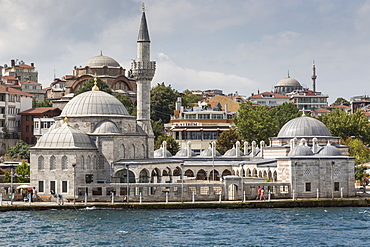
(12, 62)
(226, 108)
(32, 64)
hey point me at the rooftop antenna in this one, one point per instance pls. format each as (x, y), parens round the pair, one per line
(288, 74)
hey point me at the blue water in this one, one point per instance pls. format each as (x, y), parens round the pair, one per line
(191, 227)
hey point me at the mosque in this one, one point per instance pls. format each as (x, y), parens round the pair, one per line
(96, 151)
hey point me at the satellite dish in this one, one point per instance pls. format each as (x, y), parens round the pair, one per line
(5, 66)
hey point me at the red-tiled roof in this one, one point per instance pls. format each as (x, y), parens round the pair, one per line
(6, 88)
(321, 110)
(340, 106)
(30, 82)
(47, 88)
(10, 77)
(38, 110)
(24, 66)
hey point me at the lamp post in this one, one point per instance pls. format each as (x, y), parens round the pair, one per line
(74, 183)
(213, 160)
(11, 183)
(182, 183)
(128, 179)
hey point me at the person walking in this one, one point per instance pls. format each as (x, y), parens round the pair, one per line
(262, 196)
(259, 193)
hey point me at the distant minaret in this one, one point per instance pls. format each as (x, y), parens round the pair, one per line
(143, 72)
(313, 77)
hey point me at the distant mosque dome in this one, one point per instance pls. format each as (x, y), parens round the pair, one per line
(329, 150)
(304, 127)
(232, 153)
(288, 82)
(301, 150)
(184, 153)
(65, 137)
(94, 103)
(101, 61)
(159, 153)
(106, 127)
(208, 153)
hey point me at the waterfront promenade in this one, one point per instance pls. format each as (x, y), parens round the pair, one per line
(362, 201)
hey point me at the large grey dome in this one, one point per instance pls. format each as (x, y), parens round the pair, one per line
(304, 126)
(94, 103)
(101, 61)
(288, 82)
(65, 137)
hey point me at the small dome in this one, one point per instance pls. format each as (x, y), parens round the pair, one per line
(65, 137)
(303, 127)
(101, 61)
(301, 150)
(106, 127)
(329, 150)
(184, 153)
(94, 103)
(208, 153)
(159, 153)
(232, 153)
(288, 82)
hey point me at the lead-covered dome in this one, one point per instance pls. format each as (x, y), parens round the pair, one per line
(288, 82)
(329, 150)
(94, 103)
(304, 126)
(301, 150)
(106, 127)
(65, 137)
(101, 61)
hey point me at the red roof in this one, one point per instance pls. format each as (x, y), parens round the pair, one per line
(30, 82)
(38, 110)
(6, 88)
(340, 106)
(47, 88)
(24, 66)
(10, 77)
(321, 110)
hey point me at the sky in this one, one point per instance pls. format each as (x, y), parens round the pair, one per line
(237, 46)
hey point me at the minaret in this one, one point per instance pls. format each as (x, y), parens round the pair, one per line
(313, 77)
(143, 72)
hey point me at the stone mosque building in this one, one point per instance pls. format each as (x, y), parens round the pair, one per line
(98, 152)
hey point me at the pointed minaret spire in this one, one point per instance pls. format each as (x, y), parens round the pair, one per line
(143, 31)
(313, 77)
(143, 72)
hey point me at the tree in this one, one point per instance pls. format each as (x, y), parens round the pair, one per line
(254, 123)
(162, 102)
(158, 128)
(88, 85)
(283, 113)
(188, 98)
(23, 173)
(341, 101)
(126, 101)
(45, 103)
(226, 140)
(19, 151)
(172, 146)
(358, 150)
(6, 132)
(347, 125)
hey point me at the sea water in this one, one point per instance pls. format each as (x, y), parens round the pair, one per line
(188, 227)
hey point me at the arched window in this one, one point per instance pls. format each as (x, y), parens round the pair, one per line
(144, 152)
(52, 163)
(133, 151)
(94, 163)
(41, 163)
(64, 163)
(123, 151)
(83, 162)
(101, 162)
(88, 165)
